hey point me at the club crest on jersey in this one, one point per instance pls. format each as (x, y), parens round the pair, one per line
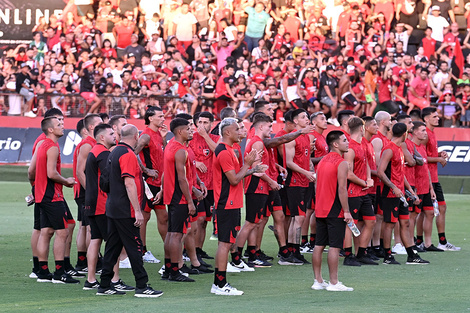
(206, 152)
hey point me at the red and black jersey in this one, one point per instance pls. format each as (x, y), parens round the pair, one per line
(360, 169)
(302, 159)
(382, 137)
(395, 170)
(409, 170)
(95, 198)
(384, 89)
(78, 190)
(422, 172)
(40, 138)
(253, 183)
(226, 196)
(370, 155)
(45, 189)
(183, 83)
(203, 154)
(152, 156)
(321, 148)
(278, 158)
(402, 87)
(309, 86)
(327, 202)
(431, 150)
(172, 193)
(122, 163)
(238, 153)
(192, 164)
(251, 133)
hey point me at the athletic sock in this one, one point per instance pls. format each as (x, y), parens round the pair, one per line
(174, 269)
(382, 243)
(296, 249)
(198, 251)
(235, 258)
(376, 247)
(304, 240)
(43, 267)
(144, 249)
(81, 258)
(289, 247)
(312, 239)
(35, 263)
(410, 251)
(347, 251)
(221, 278)
(283, 251)
(361, 252)
(388, 253)
(419, 240)
(442, 238)
(67, 263)
(216, 271)
(251, 253)
(167, 265)
(240, 250)
(59, 267)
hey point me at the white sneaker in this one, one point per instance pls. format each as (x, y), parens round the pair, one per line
(149, 258)
(338, 287)
(399, 249)
(214, 237)
(232, 269)
(33, 275)
(333, 121)
(306, 249)
(448, 247)
(243, 267)
(125, 263)
(226, 290)
(162, 270)
(319, 286)
(30, 114)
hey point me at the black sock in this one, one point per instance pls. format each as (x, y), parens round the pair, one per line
(67, 263)
(221, 278)
(419, 240)
(304, 240)
(81, 258)
(216, 272)
(167, 265)
(251, 253)
(442, 238)
(236, 258)
(296, 249)
(35, 263)
(388, 253)
(174, 269)
(382, 243)
(361, 252)
(289, 247)
(240, 250)
(144, 249)
(284, 252)
(43, 267)
(198, 251)
(348, 251)
(59, 267)
(312, 240)
(410, 251)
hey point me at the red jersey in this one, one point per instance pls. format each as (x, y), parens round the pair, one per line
(321, 148)
(78, 190)
(183, 83)
(253, 183)
(309, 86)
(384, 89)
(429, 46)
(302, 159)
(370, 155)
(152, 156)
(422, 172)
(95, 198)
(192, 163)
(226, 196)
(409, 170)
(203, 154)
(40, 138)
(124, 35)
(172, 193)
(46, 190)
(251, 133)
(402, 87)
(395, 170)
(327, 202)
(238, 153)
(360, 169)
(431, 150)
(278, 157)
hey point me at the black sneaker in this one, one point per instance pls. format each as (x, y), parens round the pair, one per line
(165, 275)
(201, 269)
(186, 269)
(180, 278)
(83, 269)
(301, 258)
(110, 291)
(364, 260)
(290, 260)
(379, 253)
(64, 279)
(72, 272)
(416, 259)
(121, 286)
(44, 277)
(258, 263)
(91, 286)
(203, 254)
(419, 248)
(351, 261)
(342, 253)
(390, 261)
(371, 254)
(261, 255)
(147, 292)
(202, 262)
(246, 254)
(432, 248)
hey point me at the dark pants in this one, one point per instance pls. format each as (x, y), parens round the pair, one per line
(123, 233)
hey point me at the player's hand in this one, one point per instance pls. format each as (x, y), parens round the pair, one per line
(397, 192)
(151, 173)
(308, 129)
(163, 131)
(433, 194)
(202, 131)
(69, 182)
(443, 154)
(260, 168)
(250, 158)
(283, 171)
(203, 189)
(443, 162)
(274, 185)
(369, 184)
(347, 217)
(158, 197)
(139, 219)
(311, 176)
(198, 194)
(201, 167)
(191, 208)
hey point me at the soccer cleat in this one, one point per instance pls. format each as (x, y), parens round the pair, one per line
(338, 287)
(351, 261)
(319, 286)
(416, 259)
(365, 260)
(186, 269)
(259, 263)
(306, 248)
(432, 248)
(399, 249)
(246, 254)
(226, 290)
(110, 291)
(301, 258)
(448, 247)
(262, 256)
(185, 256)
(64, 279)
(203, 254)
(44, 278)
(202, 262)
(121, 286)
(179, 277)
(390, 261)
(149, 258)
(333, 121)
(125, 263)
(91, 286)
(243, 267)
(290, 260)
(379, 252)
(82, 269)
(161, 270)
(147, 292)
(72, 272)
(201, 269)
(232, 269)
(34, 274)
(419, 248)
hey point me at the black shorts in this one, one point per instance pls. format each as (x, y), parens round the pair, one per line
(350, 100)
(393, 209)
(207, 102)
(426, 203)
(284, 201)
(205, 207)
(373, 200)
(361, 208)
(228, 224)
(273, 203)
(81, 216)
(296, 200)
(255, 204)
(178, 218)
(37, 217)
(224, 98)
(330, 232)
(70, 219)
(148, 204)
(310, 196)
(99, 226)
(53, 215)
(439, 193)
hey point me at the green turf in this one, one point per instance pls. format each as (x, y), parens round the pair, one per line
(441, 286)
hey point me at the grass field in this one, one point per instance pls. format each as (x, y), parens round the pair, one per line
(441, 286)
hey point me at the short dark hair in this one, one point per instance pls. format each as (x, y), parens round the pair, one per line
(80, 126)
(46, 123)
(288, 116)
(368, 119)
(416, 113)
(399, 129)
(178, 122)
(115, 119)
(427, 111)
(204, 114)
(101, 128)
(53, 112)
(186, 116)
(402, 117)
(104, 115)
(261, 118)
(89, 119)
(227, 112)
(260, 104)
(416, 125)
(343, 114)
(297, 112)
(150, 112)
(355, 123)
(332, 137)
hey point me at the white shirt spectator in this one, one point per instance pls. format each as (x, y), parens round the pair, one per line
(184, 26)
(437, 24)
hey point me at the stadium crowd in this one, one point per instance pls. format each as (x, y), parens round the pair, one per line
(120, 56)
